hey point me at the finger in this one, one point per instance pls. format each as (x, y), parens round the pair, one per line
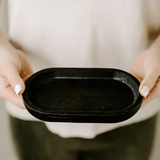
(9, 94)
(154, 93)
(135, 75)
(14, 79)
(149, 80)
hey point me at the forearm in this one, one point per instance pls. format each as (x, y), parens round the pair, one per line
(5, 45)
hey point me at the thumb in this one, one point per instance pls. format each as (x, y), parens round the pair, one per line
(149, 81)
(15, 80)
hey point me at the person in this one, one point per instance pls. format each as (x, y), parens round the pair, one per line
(87, 33)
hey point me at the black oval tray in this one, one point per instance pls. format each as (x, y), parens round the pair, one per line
(89, 95)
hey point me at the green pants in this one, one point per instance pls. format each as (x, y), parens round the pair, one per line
(33, 141)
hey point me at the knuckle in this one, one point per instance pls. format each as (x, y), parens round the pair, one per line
(155, 66)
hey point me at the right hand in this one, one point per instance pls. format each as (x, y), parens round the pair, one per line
(14, 69)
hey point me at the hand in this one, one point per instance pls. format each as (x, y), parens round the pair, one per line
(146, 68)
(14, 71)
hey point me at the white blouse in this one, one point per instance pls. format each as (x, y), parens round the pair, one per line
(82, 33)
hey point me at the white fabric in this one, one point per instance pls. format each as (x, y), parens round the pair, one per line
(86, 33)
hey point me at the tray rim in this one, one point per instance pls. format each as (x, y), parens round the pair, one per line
(32, 107)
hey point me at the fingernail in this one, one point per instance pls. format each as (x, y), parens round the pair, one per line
(18, 88)
(145, 91)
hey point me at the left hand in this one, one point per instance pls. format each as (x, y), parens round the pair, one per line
(146, 68)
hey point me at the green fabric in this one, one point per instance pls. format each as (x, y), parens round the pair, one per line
(33, 141)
